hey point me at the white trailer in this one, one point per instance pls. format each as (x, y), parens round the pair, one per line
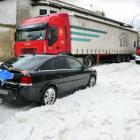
(94, 37)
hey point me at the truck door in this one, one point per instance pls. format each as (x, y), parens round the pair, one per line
(53, 42)
(56, 40)
(62, 40)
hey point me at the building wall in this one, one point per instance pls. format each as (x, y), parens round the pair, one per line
(36, 10)
(6, 42)
(22, 11)
(8, 12)
(8, 21)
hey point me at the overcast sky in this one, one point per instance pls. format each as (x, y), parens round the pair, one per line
(120, 10)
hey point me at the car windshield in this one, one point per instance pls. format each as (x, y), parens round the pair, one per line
(30, 35)
(30, 62)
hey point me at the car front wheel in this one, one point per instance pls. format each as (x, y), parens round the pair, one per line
(92, 81)
(49, 96)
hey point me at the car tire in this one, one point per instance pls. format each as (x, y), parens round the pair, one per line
(117, 58)
(137, 62)
(123, 58)
(127, 58)
(49, 96)
(92, 81)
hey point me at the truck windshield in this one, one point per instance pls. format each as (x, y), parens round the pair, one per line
(30, 35)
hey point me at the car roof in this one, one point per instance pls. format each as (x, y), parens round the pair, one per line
(41, 54)
(48, 56)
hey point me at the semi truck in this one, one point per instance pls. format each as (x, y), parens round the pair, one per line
(86, 37)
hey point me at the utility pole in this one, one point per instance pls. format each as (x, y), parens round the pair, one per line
(18, 12)
(29, 9)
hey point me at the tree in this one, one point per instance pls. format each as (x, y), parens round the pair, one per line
(100, 13)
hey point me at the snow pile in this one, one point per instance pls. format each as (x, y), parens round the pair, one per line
(109, 111)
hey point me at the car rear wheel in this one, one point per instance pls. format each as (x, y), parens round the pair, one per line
(49, 96)
(92, 81)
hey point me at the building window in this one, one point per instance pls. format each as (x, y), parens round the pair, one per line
(43, 12)
(51, 12)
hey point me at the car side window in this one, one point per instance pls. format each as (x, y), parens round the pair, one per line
(60, 63)
(74, 64)
(52, 35)
(48, 65)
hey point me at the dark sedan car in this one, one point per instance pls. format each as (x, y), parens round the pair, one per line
(49, 77)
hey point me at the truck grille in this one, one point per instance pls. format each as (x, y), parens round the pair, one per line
(31, 50)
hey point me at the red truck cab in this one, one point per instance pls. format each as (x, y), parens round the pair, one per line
(44, 34)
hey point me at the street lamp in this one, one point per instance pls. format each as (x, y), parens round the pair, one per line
(134, 18)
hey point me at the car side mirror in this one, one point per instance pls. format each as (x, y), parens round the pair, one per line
(84, 67)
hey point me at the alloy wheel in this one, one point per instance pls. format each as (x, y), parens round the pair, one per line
(92, 81)
(49, 96)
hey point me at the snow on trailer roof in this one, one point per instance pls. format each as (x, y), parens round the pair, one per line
(60, 4)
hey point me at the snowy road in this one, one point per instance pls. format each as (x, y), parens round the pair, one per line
(109, 111)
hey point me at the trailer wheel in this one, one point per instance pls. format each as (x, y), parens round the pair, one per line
(127, 58)
(88, 61)
(123, 58)
(117, 59)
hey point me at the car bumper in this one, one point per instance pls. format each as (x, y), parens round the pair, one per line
(20, 94)
(11, 98)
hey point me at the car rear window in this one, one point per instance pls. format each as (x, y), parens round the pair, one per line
(30, 62)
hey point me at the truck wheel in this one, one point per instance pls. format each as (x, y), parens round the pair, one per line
(127, 58)
(49, 96)
(123, 58)
(88, 61)
(117, 59)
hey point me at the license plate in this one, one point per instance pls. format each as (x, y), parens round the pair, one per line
(3, 92)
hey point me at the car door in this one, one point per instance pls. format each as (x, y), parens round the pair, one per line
(64, 79)
(79, 77)
(58, 70)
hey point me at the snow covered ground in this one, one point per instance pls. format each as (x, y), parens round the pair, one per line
(108, 111)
